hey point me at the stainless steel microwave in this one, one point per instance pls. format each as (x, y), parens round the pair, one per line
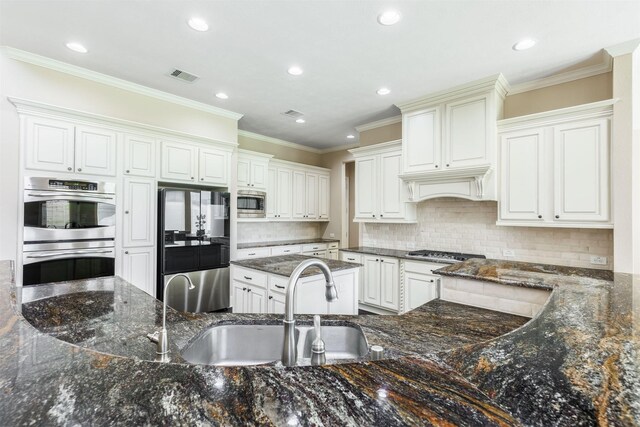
(251, 204)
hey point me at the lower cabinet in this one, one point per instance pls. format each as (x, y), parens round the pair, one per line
(381, 282)
(248, 298)
(356, 258)
(138, 268)
(276, 303)
(420, 284)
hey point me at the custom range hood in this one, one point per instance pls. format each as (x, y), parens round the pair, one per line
(449, 141)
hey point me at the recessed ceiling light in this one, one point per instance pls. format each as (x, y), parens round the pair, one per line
(383, 91)
(198, 24)
(294, 70)
(300, 120)
(389, 17)
(350, 136)
(524, 44)
(77, 47)
(222, 95)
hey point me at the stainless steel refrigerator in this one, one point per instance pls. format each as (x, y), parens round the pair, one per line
(193, 236)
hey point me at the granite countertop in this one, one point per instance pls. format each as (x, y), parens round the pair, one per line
(370, 250)
(285, 243)
(285, 264)
(575, 364)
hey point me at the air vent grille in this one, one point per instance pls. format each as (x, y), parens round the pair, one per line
(293, 114)
(184, 76)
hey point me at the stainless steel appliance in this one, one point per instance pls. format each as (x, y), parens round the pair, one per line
(251, 204)
(69, 230)
(441, 256)
(193, 232)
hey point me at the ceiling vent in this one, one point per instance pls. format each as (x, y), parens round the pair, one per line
(293, 114)
(184, 76)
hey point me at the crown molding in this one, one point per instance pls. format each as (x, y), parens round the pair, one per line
(568, 76)
(623, 48)
(379, 123)
(52, 64)
(377, 148)
(339, 148)
(277, 141)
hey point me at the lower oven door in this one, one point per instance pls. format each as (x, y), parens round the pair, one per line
(67, 264)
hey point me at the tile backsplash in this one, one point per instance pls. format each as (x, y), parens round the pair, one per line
(249, 232)
(459, 225)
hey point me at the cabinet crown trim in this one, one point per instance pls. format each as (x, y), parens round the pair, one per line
(497, 83)
(297, 166)
(377, 148)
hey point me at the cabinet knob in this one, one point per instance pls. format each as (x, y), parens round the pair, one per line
(377, 260)
(436, 166)
(539, 216)
(244, 289)
(79, 169)
(373, 215)
(192, 178)
(270, 297)
(557, 216)
(69, 168)
(201, 179)
(126, 252)
(126, 212)
(248, 290)
(381, 215)
(127, 171)
(381, 260)
(431, 280)
(447, 164)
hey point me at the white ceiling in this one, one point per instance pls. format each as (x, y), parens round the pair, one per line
(346, 55)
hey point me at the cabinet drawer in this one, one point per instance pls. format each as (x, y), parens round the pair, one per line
(314, 247)
(253, 253)
(250, 276)
(285, 250)
(278, 283)
(422, 267)
(321, 254)
(351, 257)
(333, 245)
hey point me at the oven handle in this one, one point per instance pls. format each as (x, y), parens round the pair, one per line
(92, 196)
(69, 253)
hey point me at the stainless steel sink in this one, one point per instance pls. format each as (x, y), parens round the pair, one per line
(239, 345)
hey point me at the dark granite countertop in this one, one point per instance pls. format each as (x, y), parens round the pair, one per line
(285, 264)
(575, 364)
(285, 243)
(370, 250)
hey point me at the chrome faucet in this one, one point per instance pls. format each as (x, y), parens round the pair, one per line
(163, 343)
(289, 355)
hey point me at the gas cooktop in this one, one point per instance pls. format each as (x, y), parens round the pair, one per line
(442, 257)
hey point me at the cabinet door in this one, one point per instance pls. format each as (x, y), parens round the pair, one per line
(213, 167)
(366, 191)
(139, 155)
(332, 254)
(284, 193)
(179, 161)
(521, 187)
(272, 193)
(324, 188)
(389, 283)
(581, 159)
(391, 204)
(256, 300)
(244, 172)
(466, 133)
(421, 140)
(239, 297)
(372, 279)
(299, 204)
(419, 289)
(95, 151)
(312, 195)
(346, 286)
(259, 175)
(353, 257)
(138, 268)
(310, 298)
(49, 145)
(276, 303)
(139, 212)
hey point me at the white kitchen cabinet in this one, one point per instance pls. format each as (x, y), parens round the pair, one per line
(311, 195)
(555, 168)
(179, 161)
(467, 135)
(139, 155)
(275, 303)
(253, 253)
(285, 250)
(381, 196)
(355, 258)
(372, 280)
(248, 298)
(381, 282)
(420, 284)
(252, 170)
(299, 205)
(279, 192)
(422, 133)
(324, 196)
(213, 168)
(139, 214)
(333, 254)
(138, 268)
(60, 146)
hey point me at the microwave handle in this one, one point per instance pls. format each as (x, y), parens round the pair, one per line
(49, 194)
(68, 253)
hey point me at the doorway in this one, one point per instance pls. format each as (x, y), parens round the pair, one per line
(352, 228)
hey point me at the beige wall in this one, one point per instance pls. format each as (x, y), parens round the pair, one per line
(381, 134)
(577, 92)
(22, 80)
(280, 152)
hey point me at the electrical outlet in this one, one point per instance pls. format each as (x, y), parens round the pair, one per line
(598, 260)
(332, 235)
(508, 252)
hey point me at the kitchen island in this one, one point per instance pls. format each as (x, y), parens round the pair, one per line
(445, 363)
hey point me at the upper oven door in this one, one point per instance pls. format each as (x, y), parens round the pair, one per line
(59, 215)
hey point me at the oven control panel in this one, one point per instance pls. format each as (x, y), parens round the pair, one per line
(60, 184)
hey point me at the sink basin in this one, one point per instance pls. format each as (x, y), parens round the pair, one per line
(240, 345)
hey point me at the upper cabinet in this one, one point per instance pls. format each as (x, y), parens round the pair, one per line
(253, 170)
(555, 168)
(186, 162)
(60, 146)
(449, 141)
(381, 196)
(139, 155)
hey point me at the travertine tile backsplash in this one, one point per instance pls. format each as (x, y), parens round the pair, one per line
(459, 225)
(249, 232)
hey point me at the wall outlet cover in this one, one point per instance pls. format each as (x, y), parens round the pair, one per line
(598, 260)
(508, 252)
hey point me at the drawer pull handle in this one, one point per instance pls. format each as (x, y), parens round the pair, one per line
(251, 254)
(351, 259)
(248, 278)
(286, 251)
(244, 289)
(279, 287)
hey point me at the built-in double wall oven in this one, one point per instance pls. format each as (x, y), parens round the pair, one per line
(69, 230)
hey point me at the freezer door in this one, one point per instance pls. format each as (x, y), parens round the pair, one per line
(211, 291)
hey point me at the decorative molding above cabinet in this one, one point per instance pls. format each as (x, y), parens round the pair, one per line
(449, 141)
(555, 168)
